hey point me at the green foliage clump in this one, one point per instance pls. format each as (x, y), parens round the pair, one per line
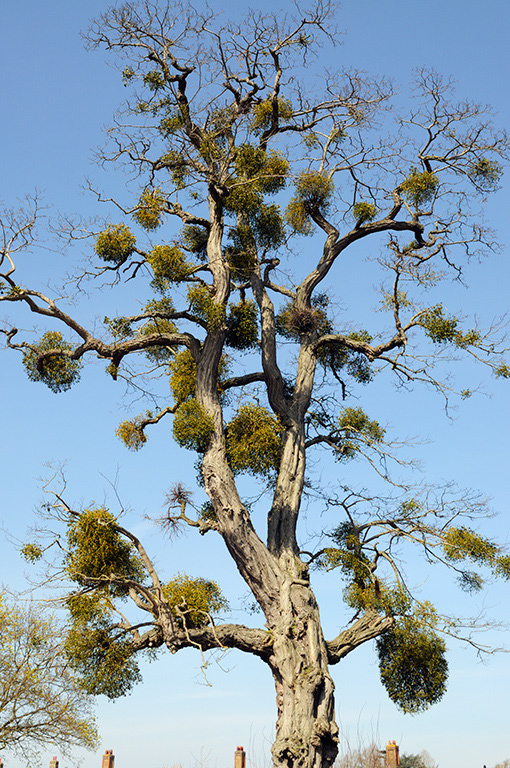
(150, 208)
(254, 441)
(243, 326)
(311, 140)
(193, 426)
(176, 164)
(314, 189)
(412, 665)
(337, 357)
(183, 376)
(97, 553)
(116, 243)
(31, 552)
(119, 327)
(207, 513)
(98, 650)
(469, 581)
(154, 80)
(485, 173)
(194, 239)
(348, 555)
(363, 212)
(373, 594)
(159, 325)
(211, 146)
(363, 591)
(268, 170)
(202, 304)
(169, 265)
(389, 300)
(419, 187)
(256, 173)
(105, 663)
(263, 114)
(127, 74)
(313, 193)
(268, 227)
(194, 601)
(357, 428)
(460, 543)
(297, 217)
(171, 123)
(58, 372)
(241, 253)
(443, 330)
(160, 353)
(131, 433)
(503, 566)
(502, 371)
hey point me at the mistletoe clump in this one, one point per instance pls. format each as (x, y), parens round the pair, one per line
(412, 665)
(116, 243)
(263, 113)
(97, 551)
(313, 193)
(420, 187)
(194, 601)
(58, 371)
(97, 648)
(131, 433)
(485, 173)
(243, 326)
(254, 441)
(169, 265)
(150, 209)
(203, 305)
(363, 212)
(193, 426)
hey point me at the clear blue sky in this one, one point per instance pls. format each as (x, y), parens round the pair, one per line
(56, 99)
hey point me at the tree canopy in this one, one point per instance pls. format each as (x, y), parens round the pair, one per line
(41, 700)
(253, 178)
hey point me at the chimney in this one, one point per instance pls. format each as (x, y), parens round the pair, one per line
(240, 758)
(54, 763)
(392, 756)
(108, 759)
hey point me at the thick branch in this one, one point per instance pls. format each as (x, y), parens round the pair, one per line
(368, 627)
(247, 639)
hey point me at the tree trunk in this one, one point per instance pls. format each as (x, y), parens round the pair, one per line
(306, 732)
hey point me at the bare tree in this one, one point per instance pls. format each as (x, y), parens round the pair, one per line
(41, 702)
(368, 756)
(223, 119)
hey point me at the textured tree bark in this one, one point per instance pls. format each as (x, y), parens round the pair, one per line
(306, 731)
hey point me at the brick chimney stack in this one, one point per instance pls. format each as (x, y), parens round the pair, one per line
(240, 758)
(54, 763)
(108, 759)
(392, 756)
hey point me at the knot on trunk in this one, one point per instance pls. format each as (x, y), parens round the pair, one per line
(323, 731)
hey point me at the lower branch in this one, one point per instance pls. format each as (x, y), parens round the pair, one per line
(367, 627)
(247, 639)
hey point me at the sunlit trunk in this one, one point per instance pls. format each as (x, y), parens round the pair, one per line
(306, 732)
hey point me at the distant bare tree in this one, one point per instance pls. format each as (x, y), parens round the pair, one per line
(41, 702)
